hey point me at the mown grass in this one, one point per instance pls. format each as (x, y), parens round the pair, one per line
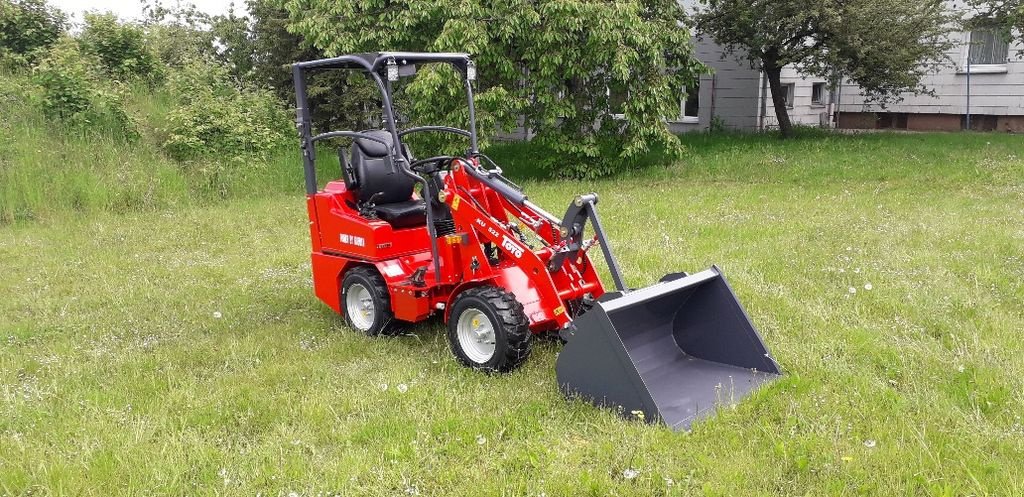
(180, 350)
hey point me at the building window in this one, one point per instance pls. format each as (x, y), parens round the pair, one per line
(988, 46)
(617, 96)
(818, 94)
(690, 106)
(788, 94)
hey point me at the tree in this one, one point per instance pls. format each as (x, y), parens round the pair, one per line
(178, 35)
(336, 99)
(550, 63)
(884, 46)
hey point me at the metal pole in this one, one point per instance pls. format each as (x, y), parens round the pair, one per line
(763, 107)
(613, 265)
(968, 89)
(473, 147)
(403, 168)
(839, 101)
(302, 121)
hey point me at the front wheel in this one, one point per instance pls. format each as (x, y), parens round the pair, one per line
(366, 302)
(488, 330)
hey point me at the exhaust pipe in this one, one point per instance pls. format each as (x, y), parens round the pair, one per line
(673, 351)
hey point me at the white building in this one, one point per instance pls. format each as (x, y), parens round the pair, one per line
(736, 96)
(987, 81)
(987, 78)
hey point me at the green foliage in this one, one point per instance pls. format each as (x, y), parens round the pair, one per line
(884, 46)
(120, 47)
(549, 64)
(234, 44)
(26, 28)
(337, 100)
(274, 48)
(718, 125)
(177, 35)
(214, 116)
(73, 92)
(50, 169)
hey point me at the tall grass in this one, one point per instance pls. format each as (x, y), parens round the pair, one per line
(50, 169)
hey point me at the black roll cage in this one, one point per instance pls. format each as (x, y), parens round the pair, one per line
(374, 65)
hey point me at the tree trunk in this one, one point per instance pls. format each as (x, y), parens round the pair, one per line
(774, 74)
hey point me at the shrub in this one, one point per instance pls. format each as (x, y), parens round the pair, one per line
(120, 47)
(27, 27)
(74, 93)
(178, 34)
(214, 116)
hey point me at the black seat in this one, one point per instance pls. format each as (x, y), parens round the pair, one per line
(371, 175)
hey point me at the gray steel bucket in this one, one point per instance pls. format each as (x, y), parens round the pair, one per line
(675, 351)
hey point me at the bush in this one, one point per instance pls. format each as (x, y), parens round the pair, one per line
(120, 47)
(27, 27)
(214, 116)
(178, 34)
(74, 93)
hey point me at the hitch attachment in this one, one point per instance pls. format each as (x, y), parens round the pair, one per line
(582, 208)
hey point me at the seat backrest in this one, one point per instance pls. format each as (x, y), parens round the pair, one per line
(371, 165)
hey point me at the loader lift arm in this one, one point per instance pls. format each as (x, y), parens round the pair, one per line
(571, 227)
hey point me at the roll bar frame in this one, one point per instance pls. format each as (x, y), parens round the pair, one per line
(374, 65)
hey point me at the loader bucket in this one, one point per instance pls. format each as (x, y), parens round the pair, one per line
(673, 351)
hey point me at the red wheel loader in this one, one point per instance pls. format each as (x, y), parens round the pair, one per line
(470, 246)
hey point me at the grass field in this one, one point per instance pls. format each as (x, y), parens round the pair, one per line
(180, 350)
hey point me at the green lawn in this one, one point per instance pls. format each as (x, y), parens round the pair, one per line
(182, 351)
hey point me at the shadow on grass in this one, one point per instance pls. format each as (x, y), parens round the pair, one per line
(813, 155)
(522, 160)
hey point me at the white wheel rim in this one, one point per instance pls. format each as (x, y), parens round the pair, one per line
(476, 335)
(359, 306)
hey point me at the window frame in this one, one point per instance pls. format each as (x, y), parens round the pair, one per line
(820, 102)
(683, 118)
(965, 52)
(608, 94)
(790, 94)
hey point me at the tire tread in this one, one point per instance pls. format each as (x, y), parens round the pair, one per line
(514, 323)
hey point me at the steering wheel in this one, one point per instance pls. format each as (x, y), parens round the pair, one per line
(419, 166)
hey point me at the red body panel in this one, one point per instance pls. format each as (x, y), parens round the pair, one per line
(345, 232)
(341, 238)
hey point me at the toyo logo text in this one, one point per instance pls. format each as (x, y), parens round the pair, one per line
(506, 242)
(512, 247)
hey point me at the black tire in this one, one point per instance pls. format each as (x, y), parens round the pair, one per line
(382, 320)
(511, 328)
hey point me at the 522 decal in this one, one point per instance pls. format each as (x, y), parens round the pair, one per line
(506, 243)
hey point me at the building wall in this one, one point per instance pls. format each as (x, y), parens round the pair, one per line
(733, 94)
(995, 94)
(803, 111)
(730, 93)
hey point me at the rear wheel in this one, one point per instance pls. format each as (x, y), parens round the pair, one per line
(488, 330)
(366, 302)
